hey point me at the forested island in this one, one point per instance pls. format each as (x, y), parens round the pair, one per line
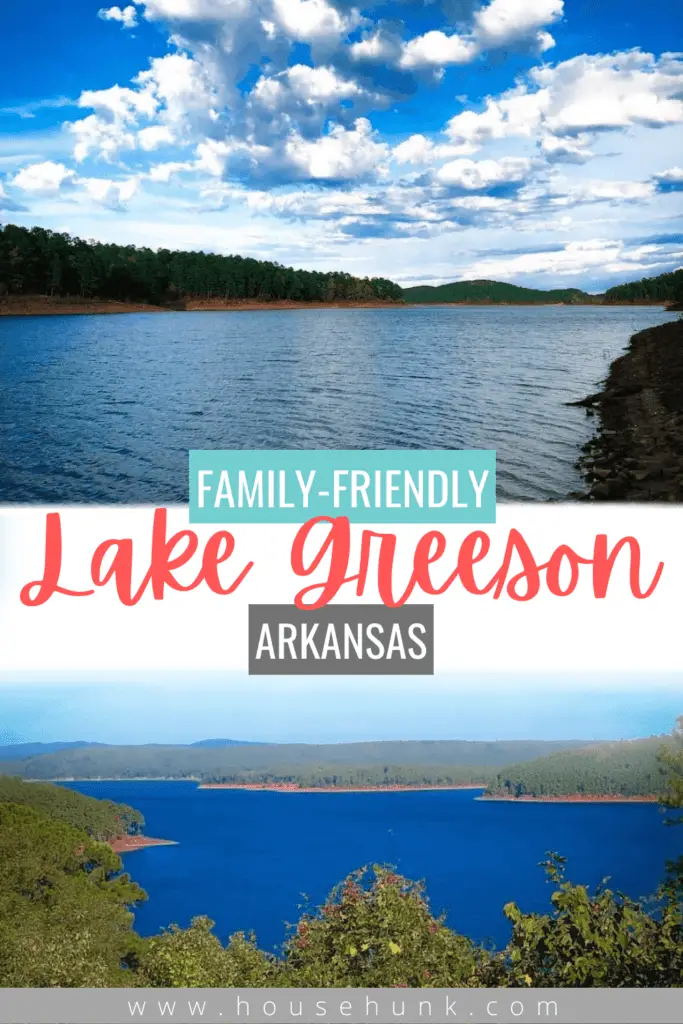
(44, 271)
(510, 769)
(66, 920)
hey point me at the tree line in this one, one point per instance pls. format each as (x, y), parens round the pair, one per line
(508, 768)
(663, 288)
(281, 761)
(358, 777)
(65, 920)
(35, 261)
(624, 768)
(99, 819)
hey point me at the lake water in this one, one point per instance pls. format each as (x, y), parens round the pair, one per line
(105, 408)
(245, 858)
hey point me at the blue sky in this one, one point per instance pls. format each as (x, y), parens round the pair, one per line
(536, 141)
(179, 708)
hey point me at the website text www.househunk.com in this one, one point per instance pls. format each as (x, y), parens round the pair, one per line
(337, 1006)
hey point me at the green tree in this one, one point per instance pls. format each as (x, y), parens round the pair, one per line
(65, 917)
(376, 929)
(195, 958)
(601, 939)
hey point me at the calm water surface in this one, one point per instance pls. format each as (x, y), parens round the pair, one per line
(105, 408)
(245, 859)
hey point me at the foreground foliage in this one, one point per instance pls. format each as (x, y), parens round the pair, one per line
(65, 915)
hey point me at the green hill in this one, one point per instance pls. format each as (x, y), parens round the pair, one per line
(495, 292)
(100, 819)
(406, 762)
(663, 288)
(623, 768)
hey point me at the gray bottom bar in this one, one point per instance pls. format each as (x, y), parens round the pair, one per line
(341, 1006)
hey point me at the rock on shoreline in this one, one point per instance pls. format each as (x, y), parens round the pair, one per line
(637, 454)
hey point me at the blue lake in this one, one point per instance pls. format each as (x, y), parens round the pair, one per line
(104, 408)
(245, 858)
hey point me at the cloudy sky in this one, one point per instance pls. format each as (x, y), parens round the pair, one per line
(536, 141)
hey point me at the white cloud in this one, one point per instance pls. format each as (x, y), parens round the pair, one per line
(318, 85)
(573, 259)
(569, 151)
(502, 23)
(104, 138)
(578, 98)
(604, 191)
(376, 48)
(435, 50)
(476, 175)
(120, 104)
(164, 172)
(112, 194)
(673, 176)
(212, 156)
(342, 154)
(506, 22)
(154, 136)
(598, 93)
(185, 10)
(44, 179)
(419, 150)
(127, 16)
(179, 88)
(311, 21)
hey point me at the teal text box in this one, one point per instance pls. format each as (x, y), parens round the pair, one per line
(366, 486)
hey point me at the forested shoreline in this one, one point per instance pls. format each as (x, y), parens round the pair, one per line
(34, 261)
(515, 770)
(66, 919)
(43, 271)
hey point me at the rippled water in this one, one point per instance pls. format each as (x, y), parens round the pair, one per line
(105, 408)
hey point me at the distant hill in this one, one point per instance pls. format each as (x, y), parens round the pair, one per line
(664, 288)
(215, 744)
(20, 751)
(305, 764)
(490, 292)
(624, 768)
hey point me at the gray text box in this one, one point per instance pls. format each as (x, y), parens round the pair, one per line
(340, 1006)
(341, 639)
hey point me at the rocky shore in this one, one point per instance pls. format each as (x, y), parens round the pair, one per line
(637, 452)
